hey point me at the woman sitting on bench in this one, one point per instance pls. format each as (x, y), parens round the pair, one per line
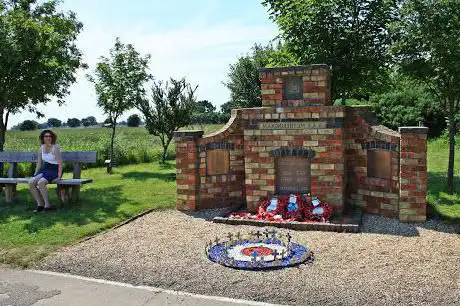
(49, 168)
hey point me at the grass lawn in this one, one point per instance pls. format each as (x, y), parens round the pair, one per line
(26, 237)
(444, 204)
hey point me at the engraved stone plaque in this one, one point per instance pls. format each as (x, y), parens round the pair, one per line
(293, 174)
(217, 162)
(293, 88)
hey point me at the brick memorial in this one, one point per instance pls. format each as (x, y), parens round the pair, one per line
(298, 142)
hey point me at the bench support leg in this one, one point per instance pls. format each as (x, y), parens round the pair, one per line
(75, 194)
(10, 193)
(62, 193)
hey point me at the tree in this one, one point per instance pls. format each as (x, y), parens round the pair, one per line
(73, 122)
(38, 58)
(107, 123)
(171, 108)
(89, 121)
(351, 36)
(134, 120)
(53, 122)
(204, 106)
(85, 122)
(204, 112)
(28, 125)
(408, 103)
(119, 82)
(428, 49)
(243, 79)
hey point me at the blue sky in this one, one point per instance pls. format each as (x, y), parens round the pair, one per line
(196, 39)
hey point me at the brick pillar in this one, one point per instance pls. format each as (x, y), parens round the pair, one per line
(187, 169)
(413, 175)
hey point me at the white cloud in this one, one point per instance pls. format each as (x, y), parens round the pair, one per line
(200, 53)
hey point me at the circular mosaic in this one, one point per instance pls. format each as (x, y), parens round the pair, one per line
(258, 251)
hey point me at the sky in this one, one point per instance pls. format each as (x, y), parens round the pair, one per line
(196, 39)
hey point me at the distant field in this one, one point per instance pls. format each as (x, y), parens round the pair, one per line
(132, 145)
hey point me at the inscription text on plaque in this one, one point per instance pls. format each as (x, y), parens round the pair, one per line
(292, 125)
(293, 174)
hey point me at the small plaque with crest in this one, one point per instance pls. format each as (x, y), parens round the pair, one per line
(293, 88)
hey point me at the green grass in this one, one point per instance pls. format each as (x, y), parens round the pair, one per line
(132, 145)
(444, 204)
(26, 237)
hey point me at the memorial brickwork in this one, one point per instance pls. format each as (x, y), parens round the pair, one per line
(297, 142)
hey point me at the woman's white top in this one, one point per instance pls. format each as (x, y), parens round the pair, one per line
(51, 156)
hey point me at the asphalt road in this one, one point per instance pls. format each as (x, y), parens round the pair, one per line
(30, 287)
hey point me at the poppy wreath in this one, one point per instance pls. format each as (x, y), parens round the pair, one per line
(324, 217)
(281, 209)
(296, 215)
(263, 214)
(303, 213)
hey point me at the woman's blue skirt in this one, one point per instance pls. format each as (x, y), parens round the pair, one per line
(49, 171)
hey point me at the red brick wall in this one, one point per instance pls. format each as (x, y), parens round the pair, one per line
(223, 190)
(316, 86)
(339, 137)
(374, 195)
(327, 166)
(187, 180)
(413, 174)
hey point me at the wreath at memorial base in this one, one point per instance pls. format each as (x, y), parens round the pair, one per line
(256, 252)
(294, 207)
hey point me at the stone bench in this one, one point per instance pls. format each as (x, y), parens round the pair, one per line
(68, 190)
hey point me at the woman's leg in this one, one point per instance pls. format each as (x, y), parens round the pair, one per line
(44, 191)
(34, 190)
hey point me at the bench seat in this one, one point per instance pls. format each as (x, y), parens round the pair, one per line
(67, 190)
(13, 180)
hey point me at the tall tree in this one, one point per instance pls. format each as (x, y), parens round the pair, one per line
(73, 122)
(85, 122)
(53, 122)
(351, 36)
(91, 120)
(38, 56)
(170, 109)
(243, 79)
(28, 125)
(119, 82)
(134, 120)
(428, 49)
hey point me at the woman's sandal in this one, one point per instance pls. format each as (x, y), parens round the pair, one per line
(39, 209)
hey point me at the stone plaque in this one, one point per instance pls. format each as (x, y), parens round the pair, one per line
(293, 174)
(379, 164)
(293, 125)
(217, 162)
(293, 88)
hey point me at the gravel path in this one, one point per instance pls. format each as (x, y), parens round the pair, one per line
(389, 263)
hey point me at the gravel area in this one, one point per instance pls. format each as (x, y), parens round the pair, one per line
(388, 263)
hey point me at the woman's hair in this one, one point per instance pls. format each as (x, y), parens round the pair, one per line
(42, 136)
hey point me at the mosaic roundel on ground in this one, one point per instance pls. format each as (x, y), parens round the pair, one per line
(258, 253)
